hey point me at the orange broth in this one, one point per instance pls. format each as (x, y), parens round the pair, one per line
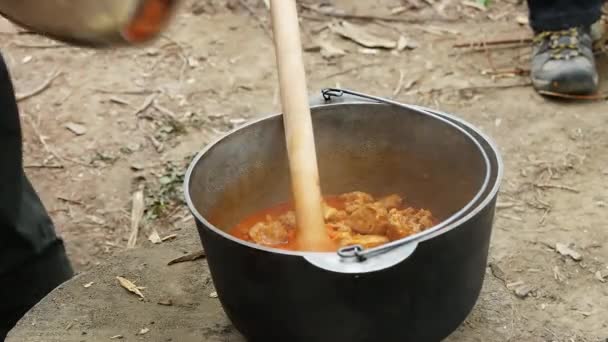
(241, 230)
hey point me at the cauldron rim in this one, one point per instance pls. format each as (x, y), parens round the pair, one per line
(471, 211)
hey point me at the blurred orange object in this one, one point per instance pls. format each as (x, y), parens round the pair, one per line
(92, 23)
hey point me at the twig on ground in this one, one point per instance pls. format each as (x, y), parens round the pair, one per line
(489, 57)
(522, 40)
(594, 97)
(126, 92)
(164, 110)
(147, 103)
(558, 187)
(137, 213)
(69, 200)
(482, 87)
(508, 72)
(45, 85)
(349, 70)
(261, 22)
(399, 84)
(46, 146)
(511, 217)
(401, 19)
(42, 166)
(41, 46)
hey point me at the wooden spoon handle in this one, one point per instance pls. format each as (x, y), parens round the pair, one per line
(312, 235)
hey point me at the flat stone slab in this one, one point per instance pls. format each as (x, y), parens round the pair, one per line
(94, 307)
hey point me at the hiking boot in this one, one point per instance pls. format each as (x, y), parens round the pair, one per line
(563, 62)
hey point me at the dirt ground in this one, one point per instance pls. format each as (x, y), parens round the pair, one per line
(140, 115)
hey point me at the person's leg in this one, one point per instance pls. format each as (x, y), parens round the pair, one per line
(562, 59)
(553, 15)
(32, 258)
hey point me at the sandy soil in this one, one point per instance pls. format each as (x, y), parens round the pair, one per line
(215, 68)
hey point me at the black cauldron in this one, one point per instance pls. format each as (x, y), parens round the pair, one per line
(417, 289)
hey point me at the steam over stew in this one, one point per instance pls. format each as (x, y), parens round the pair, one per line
(351, 218)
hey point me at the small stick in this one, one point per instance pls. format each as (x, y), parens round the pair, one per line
(147, 103)
(523, 40)
(46, 146)
(261, 23)
(118, 100)
(495, 86)
(349, 70)
(41, 46)
(137, 212)
(489, 56)
(45, 85)
(557, 186)
(399, 84)
(42, 166)
(299, 135)
(594, 97)
(373, 17)
(126, 92)
(165, 111)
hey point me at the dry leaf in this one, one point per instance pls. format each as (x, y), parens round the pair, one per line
(361, 37)
(75, 128)
(143, 331)
(600, 277)
(128, 285)
(564, 250)
(87, 285)
(188, 257)
(154, 237)
(329, 51)
(213, 295)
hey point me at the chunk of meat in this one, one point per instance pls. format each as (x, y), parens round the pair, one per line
(368, 219)
(353, 200)
(331, 214)
(345, 236)
(269, 233)
(339, 231)
(367, 241)
(288, 220)
(391, 201)
(406, 222)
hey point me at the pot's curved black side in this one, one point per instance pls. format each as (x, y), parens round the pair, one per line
(424, 298)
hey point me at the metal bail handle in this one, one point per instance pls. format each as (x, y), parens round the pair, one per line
(356, 252)
(329, 93)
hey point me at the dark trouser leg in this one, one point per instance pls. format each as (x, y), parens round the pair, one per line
(32, 258)
(553, 15)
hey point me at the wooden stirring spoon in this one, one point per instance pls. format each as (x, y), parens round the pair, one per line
(312, 234)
